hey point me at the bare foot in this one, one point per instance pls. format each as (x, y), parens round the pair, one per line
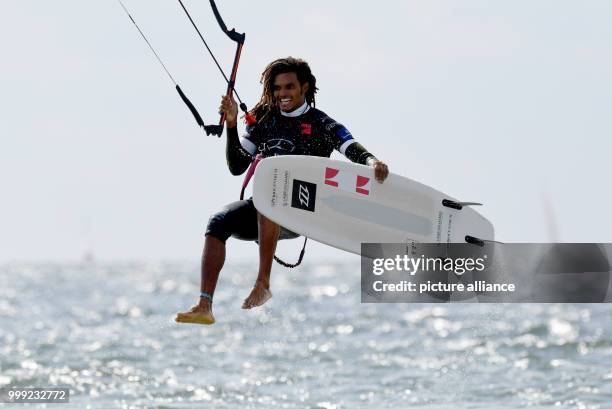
(200, 314)
(259, 295)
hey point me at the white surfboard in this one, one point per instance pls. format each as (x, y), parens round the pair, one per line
(341, 204)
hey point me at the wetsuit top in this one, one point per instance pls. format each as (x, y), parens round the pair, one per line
(304, 131)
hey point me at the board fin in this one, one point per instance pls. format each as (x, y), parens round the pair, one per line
(475, 240)
(458, 205)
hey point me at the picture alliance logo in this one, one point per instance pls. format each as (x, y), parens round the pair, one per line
(303, 195)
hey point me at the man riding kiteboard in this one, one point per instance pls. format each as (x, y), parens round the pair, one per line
(287, 123)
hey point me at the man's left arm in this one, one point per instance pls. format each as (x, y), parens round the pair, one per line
(355, 152)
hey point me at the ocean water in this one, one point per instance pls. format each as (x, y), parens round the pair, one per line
(106, 331)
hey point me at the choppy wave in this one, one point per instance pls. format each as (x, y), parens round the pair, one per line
(107, 333)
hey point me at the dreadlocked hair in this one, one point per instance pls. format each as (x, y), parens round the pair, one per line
(281, 66)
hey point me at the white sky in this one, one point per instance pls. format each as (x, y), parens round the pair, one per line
(506, 103)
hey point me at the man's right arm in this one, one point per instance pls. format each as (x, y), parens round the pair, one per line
(238, 158)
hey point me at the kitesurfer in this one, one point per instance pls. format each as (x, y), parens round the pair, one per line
(287, 123)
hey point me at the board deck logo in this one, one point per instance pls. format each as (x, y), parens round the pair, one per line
(330, 174)
(348, 181)
(303, 195)
(362, 182)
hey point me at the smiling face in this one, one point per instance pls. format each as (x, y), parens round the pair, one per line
(288, 93)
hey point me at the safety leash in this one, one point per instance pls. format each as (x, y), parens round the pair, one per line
(285, 264)
(249, 174)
